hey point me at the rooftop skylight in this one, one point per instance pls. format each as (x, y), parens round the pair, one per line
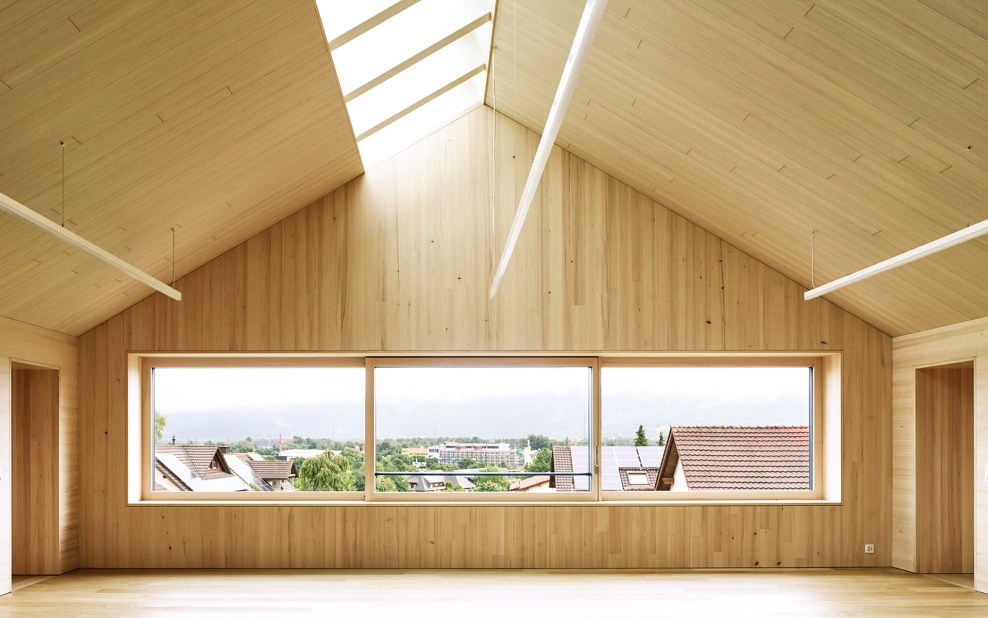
(407, 67)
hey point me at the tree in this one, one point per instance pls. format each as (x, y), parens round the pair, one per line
(356, 459)
(640, 439)
(537, 442)
(491, 483)
(662, 439)
(542, 461)
(392, 483)
(325, 472)
(466, 463)
(433, 464)
(159, 426)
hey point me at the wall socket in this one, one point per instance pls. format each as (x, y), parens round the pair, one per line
(869, 548)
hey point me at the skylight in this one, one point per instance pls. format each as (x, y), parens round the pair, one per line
(407, 67)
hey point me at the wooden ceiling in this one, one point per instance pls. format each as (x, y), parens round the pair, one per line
(766, 120)
(214, 118)
(761, 120)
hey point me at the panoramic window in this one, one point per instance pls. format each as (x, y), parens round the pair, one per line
(692, 431)
(258, 430)
(469, 429)
(250, 428)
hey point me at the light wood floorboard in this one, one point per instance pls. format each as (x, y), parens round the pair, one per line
(782, 592)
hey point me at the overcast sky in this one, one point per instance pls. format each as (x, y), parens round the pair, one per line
(226, 404)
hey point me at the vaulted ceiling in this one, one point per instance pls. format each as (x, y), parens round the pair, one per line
(763, 121)
(215, 119)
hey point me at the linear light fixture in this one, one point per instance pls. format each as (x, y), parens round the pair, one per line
(20, 210)
(929, 248)
(592, 15)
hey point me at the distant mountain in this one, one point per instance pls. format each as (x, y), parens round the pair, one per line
(500, 416)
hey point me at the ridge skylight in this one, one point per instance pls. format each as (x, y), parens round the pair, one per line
(407, 67)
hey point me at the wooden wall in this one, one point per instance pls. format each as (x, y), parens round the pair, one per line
(960, 343)
(400, 259)
(57, 486)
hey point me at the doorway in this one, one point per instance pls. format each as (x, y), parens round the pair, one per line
(945, 469)
(34, 454)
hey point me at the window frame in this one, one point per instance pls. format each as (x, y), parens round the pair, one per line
(370, 441)
(145, 460)
(822, 448)
(826, 456)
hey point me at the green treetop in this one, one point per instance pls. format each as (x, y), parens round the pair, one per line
(326, 472)
(640, 439)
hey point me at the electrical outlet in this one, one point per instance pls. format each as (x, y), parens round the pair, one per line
(869, 548)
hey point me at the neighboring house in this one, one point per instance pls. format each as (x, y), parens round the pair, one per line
(532, 483)
(437, 482)
(638, 479)
(194, 467)
(623, 468)
(736, 458)
(268, 475)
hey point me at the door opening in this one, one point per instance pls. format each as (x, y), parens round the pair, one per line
(945, 469)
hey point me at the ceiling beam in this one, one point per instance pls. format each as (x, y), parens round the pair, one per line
(973, 231)
(593, 13)
(17, 209)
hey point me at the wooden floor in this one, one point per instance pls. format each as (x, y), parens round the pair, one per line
(566, 594)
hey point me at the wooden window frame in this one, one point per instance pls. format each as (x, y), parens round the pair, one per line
(583, 497)
(825, 452)
(826, 428)
(141, 458)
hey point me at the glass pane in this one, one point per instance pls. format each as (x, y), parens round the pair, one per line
(734, 428)
(477, 429)
(404, 35)
(423, 121)
(341, 16)
(240, 429)
(395, 41)
(412, 85)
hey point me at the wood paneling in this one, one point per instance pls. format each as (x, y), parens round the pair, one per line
(765, 121)
(20, 343)
(400, 259)
(215, 119)
(35, 459)
(955, 344)
(945, 469)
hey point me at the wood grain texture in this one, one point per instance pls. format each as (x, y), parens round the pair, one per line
(945, 469)
(35, 458)
(20, 344)
(784, 593)
(215, 119)
(944, 346)
(400, 260)
(764, 121)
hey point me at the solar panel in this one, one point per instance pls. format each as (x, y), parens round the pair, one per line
(581, 463)
(651, 456)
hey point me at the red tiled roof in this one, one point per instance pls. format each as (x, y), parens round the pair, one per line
(652, 474)
(532, 481)
(197, 458)
(271, 470)
(730, 458)
(562, 461)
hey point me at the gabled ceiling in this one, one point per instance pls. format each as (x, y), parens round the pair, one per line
(215, 119)
(761, 120)
(764, 120)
